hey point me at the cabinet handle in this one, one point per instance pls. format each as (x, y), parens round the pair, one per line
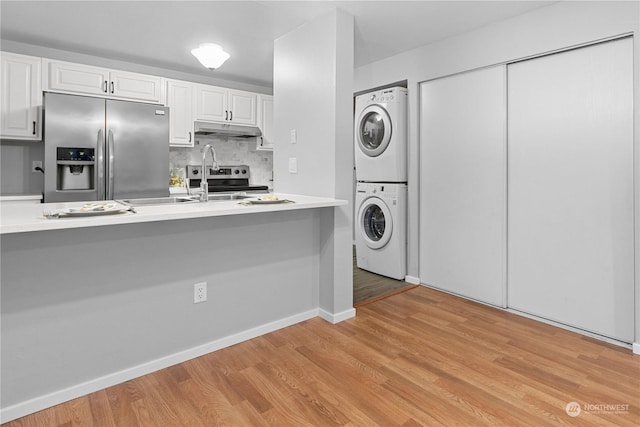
(226, 114)
(230, 115)
(34, 127)
(105, 86)
(189, 136)
(111, 87)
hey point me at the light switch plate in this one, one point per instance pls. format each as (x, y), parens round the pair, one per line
(294, 136)
(293, 165)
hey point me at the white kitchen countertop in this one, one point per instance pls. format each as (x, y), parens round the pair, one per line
(25, 218)
(20, 197)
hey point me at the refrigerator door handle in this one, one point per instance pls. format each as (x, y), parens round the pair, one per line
(110, 174)
(100, 165)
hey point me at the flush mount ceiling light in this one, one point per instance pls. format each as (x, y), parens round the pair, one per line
(210, 55)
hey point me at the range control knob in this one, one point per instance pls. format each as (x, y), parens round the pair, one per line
(196, 172)
(244, 171)
(236, 171)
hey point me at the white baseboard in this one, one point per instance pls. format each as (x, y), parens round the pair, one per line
(42, 402)
(636, 348)
(338, 317)
(412, 280)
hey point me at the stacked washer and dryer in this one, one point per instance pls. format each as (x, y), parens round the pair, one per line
(381, 189)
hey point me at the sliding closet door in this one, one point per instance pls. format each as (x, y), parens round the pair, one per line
(462, 184)
(570, 193)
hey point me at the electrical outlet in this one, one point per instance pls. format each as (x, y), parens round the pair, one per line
(199, 292)
(294, 136)
(36, 164)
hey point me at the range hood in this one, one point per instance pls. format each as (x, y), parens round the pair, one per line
(226, 129)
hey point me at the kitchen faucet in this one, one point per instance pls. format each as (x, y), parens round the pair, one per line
(204, 185)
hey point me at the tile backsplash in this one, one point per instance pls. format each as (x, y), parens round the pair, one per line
(228, 152)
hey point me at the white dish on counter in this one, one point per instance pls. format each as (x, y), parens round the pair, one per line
(94, 209)
(267, 200)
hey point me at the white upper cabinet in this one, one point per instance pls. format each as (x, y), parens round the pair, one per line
(89, 80)
(141, 87)
(21, 97)
(211, 103)
(265, 122)
(180, 103)
(242, 107)
(225, 105)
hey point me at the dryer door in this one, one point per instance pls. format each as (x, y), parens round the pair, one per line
(375, 222)
(373, 130)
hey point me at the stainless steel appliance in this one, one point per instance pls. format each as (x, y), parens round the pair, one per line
(225, 178)
(103, 149)
(226, 130)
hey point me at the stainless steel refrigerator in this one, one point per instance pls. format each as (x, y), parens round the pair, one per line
(104, 149)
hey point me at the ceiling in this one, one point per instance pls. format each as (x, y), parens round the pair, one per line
(162, 33)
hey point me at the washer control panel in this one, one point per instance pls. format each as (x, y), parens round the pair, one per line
(385, 95)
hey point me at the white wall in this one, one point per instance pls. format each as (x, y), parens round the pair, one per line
(312, 88)
(550, 28)
(15, 171)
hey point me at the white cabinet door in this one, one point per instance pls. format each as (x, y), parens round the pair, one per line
(571, 188)
(242, 107)
(77, 78)
(211, 103)
(88, 80)
(21, 97)
(140, 87)
(265, 122)
(180, 103)
(218, 104)
(463, 184)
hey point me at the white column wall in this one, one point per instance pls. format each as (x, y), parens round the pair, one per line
(312, 87)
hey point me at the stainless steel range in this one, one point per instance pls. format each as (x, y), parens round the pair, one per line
(225, 178)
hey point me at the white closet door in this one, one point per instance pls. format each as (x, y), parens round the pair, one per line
(462, 184)
(570, 200)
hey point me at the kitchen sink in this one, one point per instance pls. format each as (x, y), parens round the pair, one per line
(174, 200)
(214, 197)
(152, 201)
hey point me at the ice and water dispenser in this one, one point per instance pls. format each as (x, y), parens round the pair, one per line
(75, 167)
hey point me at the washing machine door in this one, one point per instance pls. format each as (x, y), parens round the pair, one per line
(376, 224)
(373, 130)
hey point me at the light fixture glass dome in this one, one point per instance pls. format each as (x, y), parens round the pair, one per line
(210, 55)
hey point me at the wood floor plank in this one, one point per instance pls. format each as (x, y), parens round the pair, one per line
(418, 358)
(121, 400)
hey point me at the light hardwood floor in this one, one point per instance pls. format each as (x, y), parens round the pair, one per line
(421, 357)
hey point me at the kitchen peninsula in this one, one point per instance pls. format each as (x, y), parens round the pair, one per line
(89, 302)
